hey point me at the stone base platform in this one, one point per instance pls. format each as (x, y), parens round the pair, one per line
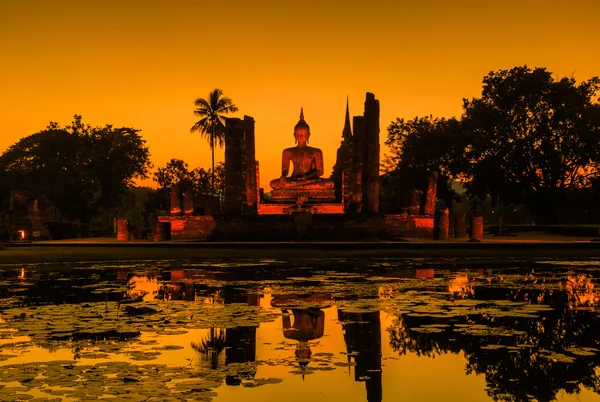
(303, 195)
(294, 226)
(288, 209)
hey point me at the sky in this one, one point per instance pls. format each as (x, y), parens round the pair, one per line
(142, 63)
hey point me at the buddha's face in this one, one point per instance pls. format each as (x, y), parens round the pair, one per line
(301, 135)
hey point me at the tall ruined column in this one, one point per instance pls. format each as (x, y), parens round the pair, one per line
(414, 197)
(358, 159)
(259, 196)
(176, 200)
(442, 224)
(235, 182)
(431, 194)
(371, 167)
(251, 199)
(188, 201)
(460, 226)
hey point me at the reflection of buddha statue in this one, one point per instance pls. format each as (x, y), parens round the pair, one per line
(308, 167)
(309, 324)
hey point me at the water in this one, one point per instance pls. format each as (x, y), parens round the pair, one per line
(352, 330)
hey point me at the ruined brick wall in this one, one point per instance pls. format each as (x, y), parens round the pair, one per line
(189, 227)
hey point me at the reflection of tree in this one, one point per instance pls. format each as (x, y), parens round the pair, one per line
(239, 343)
(362, 334)
(530, 354)
(211, 346)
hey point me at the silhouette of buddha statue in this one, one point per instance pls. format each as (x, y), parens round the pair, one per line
(308, 168)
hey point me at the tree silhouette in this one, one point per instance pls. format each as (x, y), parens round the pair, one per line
(211, 125)
(533, 139)
(83, 171)
(418, 146)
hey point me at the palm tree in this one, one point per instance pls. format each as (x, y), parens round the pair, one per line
(211, 125)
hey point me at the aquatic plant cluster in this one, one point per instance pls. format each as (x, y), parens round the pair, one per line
(180, 330)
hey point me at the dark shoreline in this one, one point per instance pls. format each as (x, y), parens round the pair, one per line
(78, 252)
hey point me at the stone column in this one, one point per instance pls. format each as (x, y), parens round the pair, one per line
(476, 228)
(442, 224)
(460, 226)
(162, 231)
(371, 168)
(235, 182)
(188, 201)
(431, 194)
(259, 191)
(414, 198)
(122, 229)
(358, 159)
(176, 200)
(250, 159)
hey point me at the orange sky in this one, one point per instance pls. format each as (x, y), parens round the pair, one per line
(141, 63)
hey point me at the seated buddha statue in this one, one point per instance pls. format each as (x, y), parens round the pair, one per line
(307, 162)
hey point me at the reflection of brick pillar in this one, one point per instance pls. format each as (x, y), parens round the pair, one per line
(414, 198)
(431, 194)
(250, 159)
(442, 224)
(460, 226)
(175, 200)
(188, 201)
(122, 229)
(235, 182)
(476, 228)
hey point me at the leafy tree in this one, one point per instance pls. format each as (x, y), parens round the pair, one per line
(83, 171)
(176, 173)
(532, 139)
(211, 125)
(418, 146)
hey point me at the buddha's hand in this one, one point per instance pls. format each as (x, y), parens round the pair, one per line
(282, 181)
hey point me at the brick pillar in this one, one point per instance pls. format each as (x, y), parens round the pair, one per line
(442, 224)
(162, 231)
(460, 226)
(358, 160)
(259, 191)
(122, 229)
(431, 194)
(176, 201)
(371, 168)
(476, 228)
(251, 194)
(188, 201)
(235, 182)
(414, 199)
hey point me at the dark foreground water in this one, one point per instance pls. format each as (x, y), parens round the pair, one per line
(317, 330)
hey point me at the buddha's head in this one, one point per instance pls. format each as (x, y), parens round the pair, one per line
(302, 130)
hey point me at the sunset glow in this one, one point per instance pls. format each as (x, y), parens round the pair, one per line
(142, 63)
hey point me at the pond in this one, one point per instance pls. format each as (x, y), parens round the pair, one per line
(338, 329)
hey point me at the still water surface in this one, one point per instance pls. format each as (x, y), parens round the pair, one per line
(364, 330)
